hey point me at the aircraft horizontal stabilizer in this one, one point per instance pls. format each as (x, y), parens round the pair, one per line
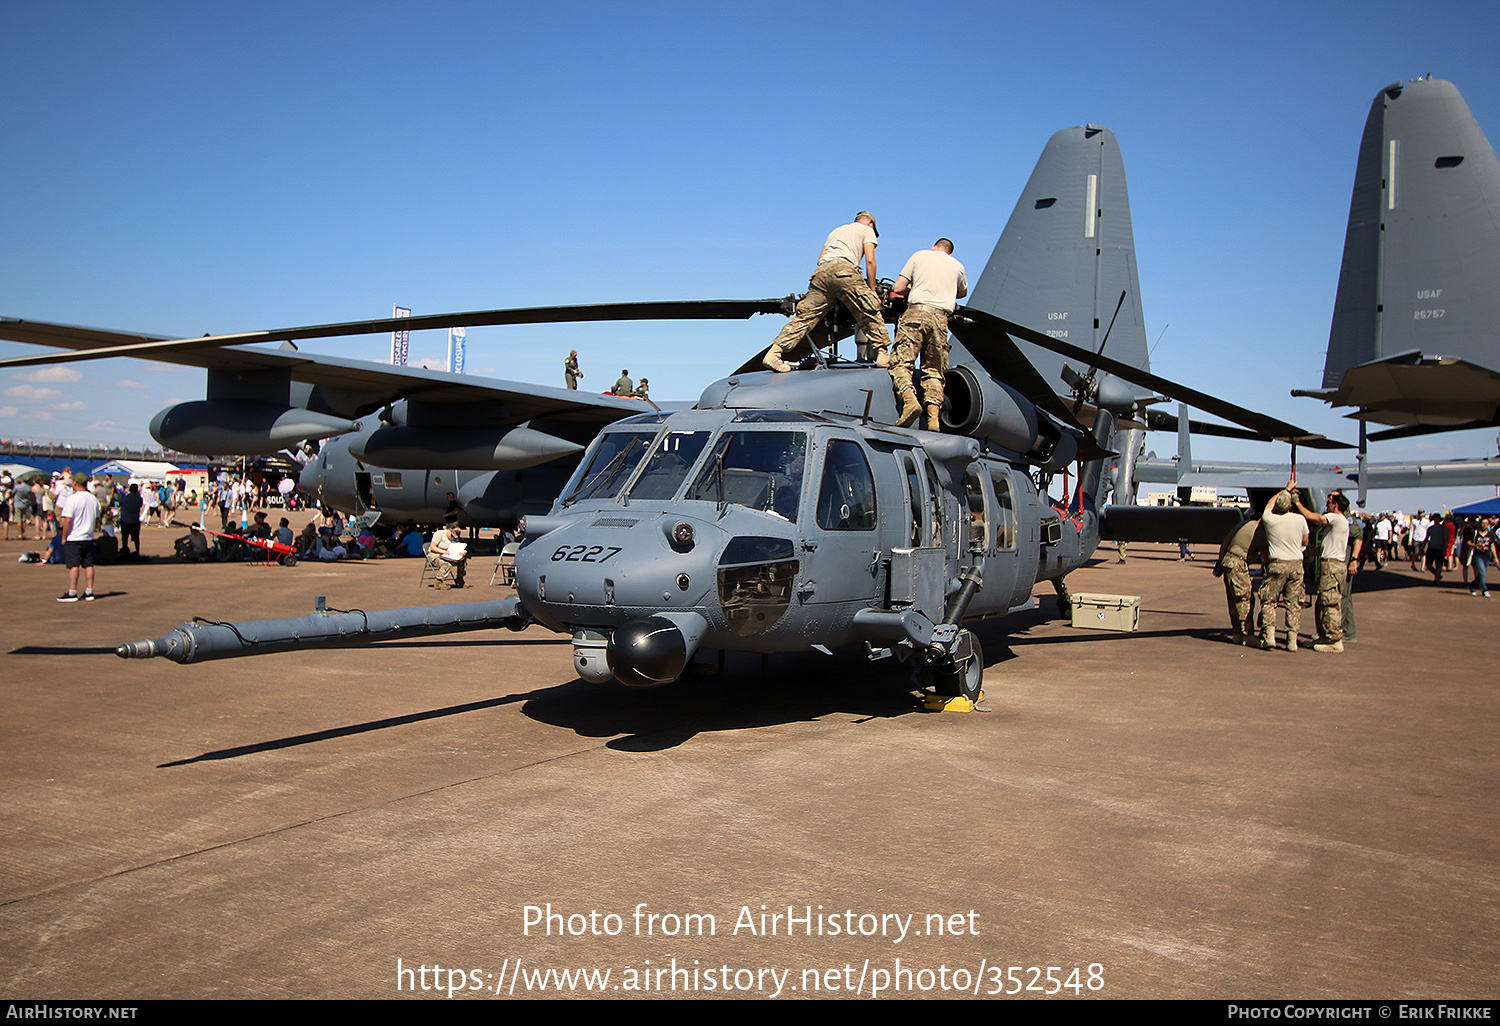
(983, 332)
(1413, 389)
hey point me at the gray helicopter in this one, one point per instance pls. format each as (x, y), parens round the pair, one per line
(786, 511)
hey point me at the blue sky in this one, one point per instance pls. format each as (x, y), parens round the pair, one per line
(182, 168)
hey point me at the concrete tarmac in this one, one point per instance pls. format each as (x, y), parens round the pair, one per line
(1157, 814)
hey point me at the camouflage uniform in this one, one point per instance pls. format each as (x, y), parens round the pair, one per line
(570, 372)
(1332, 574)
(1283, 581)
(1238, 592)
(834, 281)
(923, 331)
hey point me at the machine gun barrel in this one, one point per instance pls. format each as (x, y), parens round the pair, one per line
(200, 640)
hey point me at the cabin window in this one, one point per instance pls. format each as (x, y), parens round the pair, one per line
(846, 498)
(1005, 511)
(979, 528)
(913, 496)
(935, 506)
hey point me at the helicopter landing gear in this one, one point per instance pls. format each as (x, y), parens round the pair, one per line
(1064, 600)
(961, 674)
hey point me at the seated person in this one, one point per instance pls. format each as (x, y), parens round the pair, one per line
(261, 528)
(193, 546)
(410, 542)
(107, 545)
(229, 548)
(448, 555)
(366, 543)
(284, 534)
(328, 547)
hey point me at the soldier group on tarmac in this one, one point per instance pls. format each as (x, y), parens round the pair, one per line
(1279, 539)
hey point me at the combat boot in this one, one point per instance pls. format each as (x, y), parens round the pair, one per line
(910, 409)
(1268, 639)
(882, 358)
(773, 361)
(932, 418)
(1332, 646)
(1291, 643)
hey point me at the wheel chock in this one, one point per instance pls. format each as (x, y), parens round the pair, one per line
(950, 703)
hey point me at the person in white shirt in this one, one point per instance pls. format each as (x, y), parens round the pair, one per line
(1286, 537)
(79, 520)
(933, 283)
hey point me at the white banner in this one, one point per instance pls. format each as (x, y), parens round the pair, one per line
(400, 340)
(456, 350)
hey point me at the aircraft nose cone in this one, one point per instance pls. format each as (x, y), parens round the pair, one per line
(647, 653)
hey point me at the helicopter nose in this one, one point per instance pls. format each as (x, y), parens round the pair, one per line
(655, 650)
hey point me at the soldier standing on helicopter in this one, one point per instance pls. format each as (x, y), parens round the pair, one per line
(933, 283)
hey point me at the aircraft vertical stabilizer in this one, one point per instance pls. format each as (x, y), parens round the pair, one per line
(1067, 253)
(1415, 337)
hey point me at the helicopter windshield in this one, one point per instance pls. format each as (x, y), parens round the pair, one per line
(756, 469)
(612, 464)
(669, 464)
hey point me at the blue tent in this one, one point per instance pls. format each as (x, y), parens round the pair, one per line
(1484, 507)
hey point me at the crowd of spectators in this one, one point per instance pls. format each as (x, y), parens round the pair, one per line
(1438, 543)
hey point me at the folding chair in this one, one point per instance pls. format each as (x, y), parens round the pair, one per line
(505, 566)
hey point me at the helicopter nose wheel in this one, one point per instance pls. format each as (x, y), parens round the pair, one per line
(962, 673)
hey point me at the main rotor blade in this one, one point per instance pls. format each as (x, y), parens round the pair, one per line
(989, 327)
(690, 310)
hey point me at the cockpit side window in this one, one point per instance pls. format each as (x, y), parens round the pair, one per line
(846, 497)
(756, 469)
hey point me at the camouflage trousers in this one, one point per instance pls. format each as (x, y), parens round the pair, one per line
(1331, 576)
(836, 281)
(1238, 591)
(1283, 583)
(923, 331)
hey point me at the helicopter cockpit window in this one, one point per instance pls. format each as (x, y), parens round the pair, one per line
(756, 469)
(846, 498)
(613, 462)
(668, 465)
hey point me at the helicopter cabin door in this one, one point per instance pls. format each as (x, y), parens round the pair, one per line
(993, 491)
(841, 546)
(919, 560)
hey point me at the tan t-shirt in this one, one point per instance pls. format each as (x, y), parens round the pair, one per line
(848, 243)
(1285, 535)
(936, 279)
